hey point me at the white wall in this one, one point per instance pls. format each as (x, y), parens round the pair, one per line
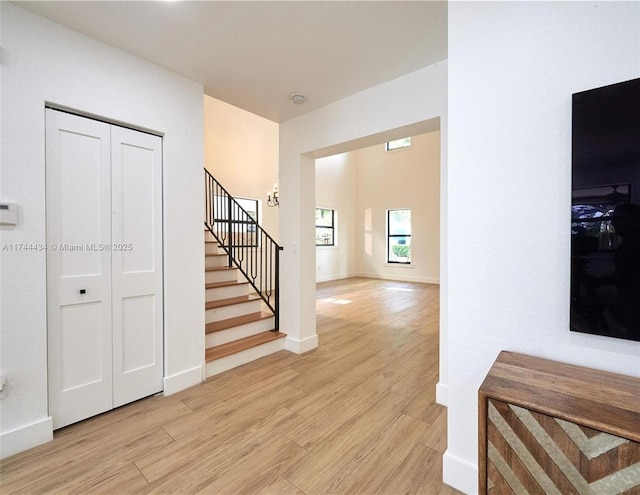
(241, 152)
(405, 178)
(44, 62)
(512, 69)
(336, 188)
(361, 186)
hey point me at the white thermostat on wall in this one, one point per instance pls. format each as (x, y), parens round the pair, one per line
(8, 213)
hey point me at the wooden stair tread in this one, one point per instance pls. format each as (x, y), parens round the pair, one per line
(218, 268)
(240, 345)
(236, 321)
(230, 283)
(220, 303)
(216, 254)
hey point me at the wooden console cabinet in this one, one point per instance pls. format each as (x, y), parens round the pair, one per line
(552, 428)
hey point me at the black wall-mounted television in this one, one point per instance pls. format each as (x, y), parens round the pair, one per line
(605, 211)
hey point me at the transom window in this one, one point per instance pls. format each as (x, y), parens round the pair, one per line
(325, 227)
(399, 236)
(398, 144)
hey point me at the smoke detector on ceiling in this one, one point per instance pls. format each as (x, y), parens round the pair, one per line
(298, 99)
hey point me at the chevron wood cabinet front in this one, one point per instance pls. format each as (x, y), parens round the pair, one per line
(553, 428)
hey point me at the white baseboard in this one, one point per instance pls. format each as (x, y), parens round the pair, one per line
(442, 394)
(459, 473)
(26, 437)
(301, 346)
(401, 278)
(182, 380)
(335, 276)
(397, 278)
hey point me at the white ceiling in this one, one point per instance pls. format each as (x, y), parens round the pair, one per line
(254, 55)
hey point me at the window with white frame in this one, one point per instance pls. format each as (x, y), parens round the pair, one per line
(325, 227)
(399, 236)
(245, 216)
(397, 144)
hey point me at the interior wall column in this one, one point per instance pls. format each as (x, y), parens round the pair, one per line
(297, 260)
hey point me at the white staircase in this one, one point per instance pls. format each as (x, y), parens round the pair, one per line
(238, 325)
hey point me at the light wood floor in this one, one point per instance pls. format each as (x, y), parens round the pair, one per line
(357, 415)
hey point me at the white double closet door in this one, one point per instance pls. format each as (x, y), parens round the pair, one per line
(104, 266)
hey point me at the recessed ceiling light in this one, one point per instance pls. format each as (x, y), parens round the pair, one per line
(298, 99)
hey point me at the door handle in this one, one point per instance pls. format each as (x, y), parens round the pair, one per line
(83, 291)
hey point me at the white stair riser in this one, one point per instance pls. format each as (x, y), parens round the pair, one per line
(220, 276)
(239, 332)
(218, 314)
(210, 261)
(229, 362)
(226, 292)
(211, 248)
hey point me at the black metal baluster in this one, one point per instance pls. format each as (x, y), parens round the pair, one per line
(247, 245)
(277, 288)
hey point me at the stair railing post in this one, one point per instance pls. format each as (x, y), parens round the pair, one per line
(276, 290)
(229, 228)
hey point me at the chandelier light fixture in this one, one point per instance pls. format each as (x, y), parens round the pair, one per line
(272, 196)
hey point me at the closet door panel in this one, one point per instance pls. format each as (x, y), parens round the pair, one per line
(137, 264)
(78, 267)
